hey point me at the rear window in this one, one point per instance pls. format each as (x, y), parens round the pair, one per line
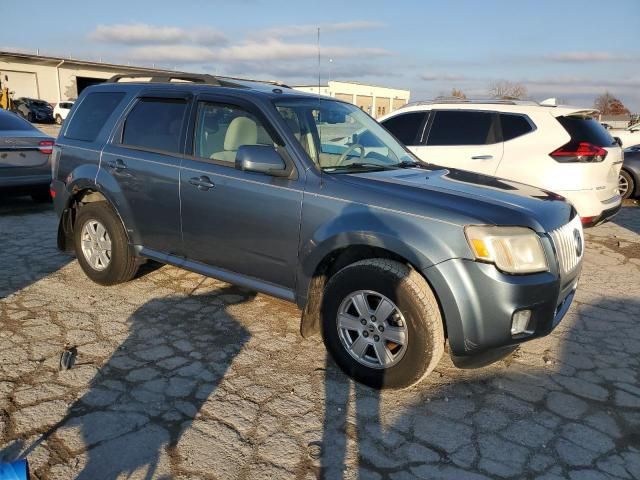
(91, 115)
(585, 129)
(9, 121)
(406, 127)
(155, 124)
(514, 126)
(456, 127)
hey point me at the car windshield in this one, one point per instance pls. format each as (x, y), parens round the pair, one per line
(341, 138)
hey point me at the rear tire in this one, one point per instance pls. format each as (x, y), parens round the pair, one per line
(414, 306)
(101, 245)
(626, 181)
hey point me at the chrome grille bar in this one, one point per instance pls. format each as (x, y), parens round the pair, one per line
(569, 244)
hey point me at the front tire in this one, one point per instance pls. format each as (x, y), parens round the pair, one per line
(626, 185)
(101, 245)
(370, 294)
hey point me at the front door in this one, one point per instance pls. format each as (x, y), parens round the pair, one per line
(464, 139)
(243, 222)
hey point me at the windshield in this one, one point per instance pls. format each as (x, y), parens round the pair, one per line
(341, 138)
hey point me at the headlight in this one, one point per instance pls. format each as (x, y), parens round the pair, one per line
(511, 249)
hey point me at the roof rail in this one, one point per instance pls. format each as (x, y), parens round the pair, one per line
(454, 100)
(202, 78)
(175, 78)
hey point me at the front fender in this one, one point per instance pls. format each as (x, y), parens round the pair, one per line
(420, 241)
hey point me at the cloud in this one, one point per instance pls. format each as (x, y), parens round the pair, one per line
(589, 57)
(309, 29)
(442, 77)
(273, 50)
(144, 34)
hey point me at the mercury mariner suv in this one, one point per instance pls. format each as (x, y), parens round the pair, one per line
(308, 199)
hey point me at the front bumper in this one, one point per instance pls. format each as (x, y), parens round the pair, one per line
(478, 302)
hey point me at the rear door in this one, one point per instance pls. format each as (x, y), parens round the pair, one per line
(143, 159)
(243, 222)
(464, 139)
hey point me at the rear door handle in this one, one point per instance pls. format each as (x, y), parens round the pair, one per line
(117, 164)
(203, 182)
(482, 157)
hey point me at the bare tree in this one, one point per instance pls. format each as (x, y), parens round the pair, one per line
(610, 105)
(457, 93)
(508, 90)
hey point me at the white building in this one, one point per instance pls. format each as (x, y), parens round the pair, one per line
(375, 100)
(56, 79)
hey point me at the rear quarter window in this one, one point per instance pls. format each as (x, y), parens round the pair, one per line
(91, 115)
(586, 129)
(514, 126)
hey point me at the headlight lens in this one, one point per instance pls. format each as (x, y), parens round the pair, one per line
(511, 249)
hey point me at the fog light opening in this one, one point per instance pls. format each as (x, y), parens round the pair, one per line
(520, 322)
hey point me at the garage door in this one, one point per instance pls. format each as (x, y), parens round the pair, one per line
(24, 84)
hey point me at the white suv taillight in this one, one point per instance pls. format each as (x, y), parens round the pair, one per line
(582, 152)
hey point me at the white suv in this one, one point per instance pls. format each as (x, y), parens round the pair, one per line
(629, 136)
(61, 110)
(559, 148)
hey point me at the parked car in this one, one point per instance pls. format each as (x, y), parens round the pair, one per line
(386, 255)
(34, 110)
(630, 173)
(61, 110)
(24, 158)
(558, 148)
(628, 136)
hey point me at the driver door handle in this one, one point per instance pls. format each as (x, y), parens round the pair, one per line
(202, 182)
(482, 157)
(117, 164)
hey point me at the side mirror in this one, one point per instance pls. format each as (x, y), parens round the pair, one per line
(618, 141)
(262, 159)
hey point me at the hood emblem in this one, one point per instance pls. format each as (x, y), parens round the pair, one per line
(578, 239)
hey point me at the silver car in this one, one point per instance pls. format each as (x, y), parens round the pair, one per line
(25, 168)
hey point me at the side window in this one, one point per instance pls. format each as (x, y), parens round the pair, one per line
(514, 126)
(222, 129)
(406, 127)
(459, 127)
(91, 115)
(155, 124)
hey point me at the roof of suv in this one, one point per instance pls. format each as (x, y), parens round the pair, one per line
(197, 83)
(498, 105)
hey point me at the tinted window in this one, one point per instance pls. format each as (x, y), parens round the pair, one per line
(406, 127)
(514, 126)
(91, 115)
(9, 121)
(222, 129)
(585, 129)
(454, 127)
(155, 124)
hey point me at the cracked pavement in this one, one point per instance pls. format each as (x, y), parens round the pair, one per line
(181, 376)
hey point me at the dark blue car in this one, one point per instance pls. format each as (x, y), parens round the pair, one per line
(309, 199)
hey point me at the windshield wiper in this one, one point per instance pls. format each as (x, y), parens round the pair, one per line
(360, 166)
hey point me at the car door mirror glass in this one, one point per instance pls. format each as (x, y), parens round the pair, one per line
(261, 159)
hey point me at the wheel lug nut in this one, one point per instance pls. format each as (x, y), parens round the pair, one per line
(373, 318)
(363, 321)
(381, 328)
(365, 334)
(376, 338)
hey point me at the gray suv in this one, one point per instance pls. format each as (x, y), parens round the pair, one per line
(309, 199)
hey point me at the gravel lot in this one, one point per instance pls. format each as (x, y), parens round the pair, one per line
(181, 376)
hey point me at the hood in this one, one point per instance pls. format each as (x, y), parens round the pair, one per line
(467, 198)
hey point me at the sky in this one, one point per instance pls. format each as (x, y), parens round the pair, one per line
(573, 50)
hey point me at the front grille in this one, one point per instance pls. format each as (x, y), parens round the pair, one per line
(569, 243)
